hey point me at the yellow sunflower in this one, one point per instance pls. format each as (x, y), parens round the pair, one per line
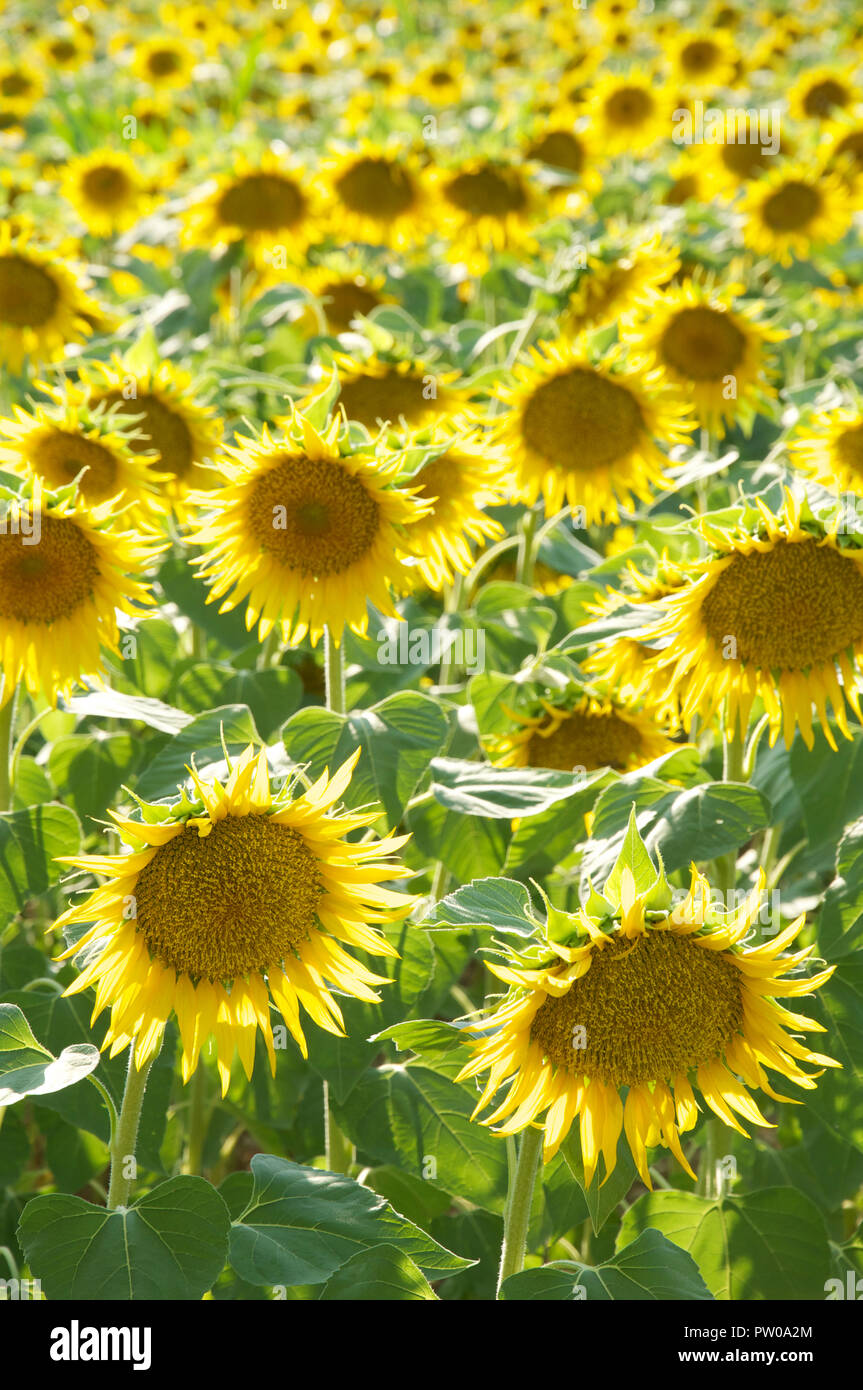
(592, 732)
(163, 62)
(703, 62)
(60, 592)
(630, 993)
(713, 346)
(184, 432)
(306, 532)
(459, 483)
(242, 894)
(771, 615)
(841, 142)
(630, 280)
(377, 389)
(821, 93)
(486, 206)
(106, 190)
(556, 143)
(792, 210)
(69, 442)
(345, 289)
(629, 111)
(269, 204)
(21, 86)
(377, 194)
(829, 448)
(43, 302)
(585, 430)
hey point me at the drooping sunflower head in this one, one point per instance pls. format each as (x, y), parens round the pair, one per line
(583, 429)
(44, 305)
(385, 388)
(171, 422)
(69, 441)
(794, 208)
(714, 345)
(776, 614)
(107, 191)
(461, 476)
(582, 734)
(618, 1013)
(65, 574)
(307, 529)
(269, 204)
(378, 195)
(242, 893)
(620, 281)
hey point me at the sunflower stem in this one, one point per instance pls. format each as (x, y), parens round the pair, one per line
(7, 731)
(485, 559)
(126, 1132)
(338, 1149)
(516, 1217)
(526, 549)
(334, 672)
(732, 771)
(270, 651)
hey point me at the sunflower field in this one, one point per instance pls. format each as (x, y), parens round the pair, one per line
(431, 630)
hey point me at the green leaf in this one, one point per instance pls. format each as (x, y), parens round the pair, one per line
(604, 1194)
(201, 738)
(89, 770)
(183, 587)
(171, 1244)
(304, 1224)
(500, 903)
(30, 842)
(271, 695)
(759, 1245)
(467, 845)
(651, 1269)
(398, 738)
(384, 1274)
(634, 857)
(481, 789)
(113, 704)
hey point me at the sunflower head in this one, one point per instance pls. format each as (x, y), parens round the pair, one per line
(106, 190)
(775, 614)
(242, 892)
(583, 427)
(583, 733)
(390, 388)
(618, 1013)
(44, 305)
(268, 204)
(309, 527)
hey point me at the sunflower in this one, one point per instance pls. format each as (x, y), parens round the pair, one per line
(184, 432)
(306, 531)
(43, 303)
(163, 62)
(440, 83)
(377, 194)
(106, 190)
(459, 483)
(59, 594)
(793, 209)
(631, 279)
(67, 48)
(585, 431)
(820, 94)
(21, 86)
(485, 206)
(628, 994)
(590, 733)
(628, 112)
(267, 204)
(842, 139)
(377, 389)
(69, 441)
(242, 895)
(829, 448)
(556, 143)
(734, 163)
(689, 181)
(345, 289)
(771, 615)
(713, 346)
(703, 62)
